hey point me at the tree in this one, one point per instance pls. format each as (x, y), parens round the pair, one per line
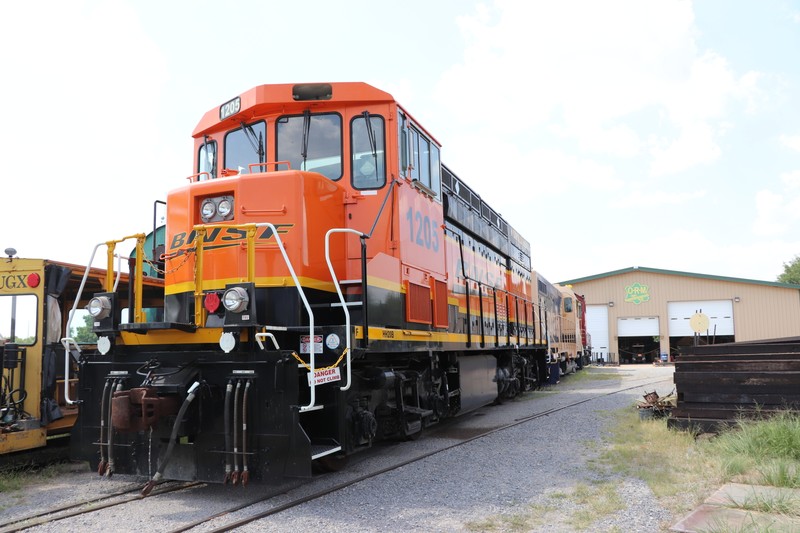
(791, 271)
(84, 334)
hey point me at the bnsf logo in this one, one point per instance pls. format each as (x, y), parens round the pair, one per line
(221, 237)
(20, 281)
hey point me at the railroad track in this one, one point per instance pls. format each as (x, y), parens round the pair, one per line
(133, 494)
(340, 486)
(91, 505)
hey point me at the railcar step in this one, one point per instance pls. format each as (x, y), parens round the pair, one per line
(321, 450)
(417, 411)
(144, 327)
(335, 304)
(349, 304)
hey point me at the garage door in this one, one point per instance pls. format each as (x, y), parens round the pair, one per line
(719, 313)
(640, 326)
(597, 327)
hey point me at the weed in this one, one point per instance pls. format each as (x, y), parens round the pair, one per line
(513, 522)
(10, 481)
(780, 473)
(593, 374)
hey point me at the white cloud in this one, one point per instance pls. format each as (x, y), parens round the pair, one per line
(791, 179)
(760, 260)
(598, 73)
(652, 199)
(493, 168)
(776, 213)
(87, 86)
(695, 145)
(791, 141)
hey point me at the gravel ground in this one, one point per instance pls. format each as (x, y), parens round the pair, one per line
(519, 479)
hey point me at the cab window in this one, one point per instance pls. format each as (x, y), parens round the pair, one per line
(567, 304)
(419, 157)
(436, 170)
(402, 135)
(367, 159)
(311, 142)
(18, 319)
(207, 160)
(245, 146)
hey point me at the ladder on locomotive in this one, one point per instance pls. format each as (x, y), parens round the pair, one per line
(330, 446)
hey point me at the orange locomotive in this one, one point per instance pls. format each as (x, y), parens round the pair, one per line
(327, 283)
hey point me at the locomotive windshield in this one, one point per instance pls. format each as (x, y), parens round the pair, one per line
(245, 146)
(312, 142)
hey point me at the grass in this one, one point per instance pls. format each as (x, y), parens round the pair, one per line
(670, 462)
(681, 468)
(14, 480)
(523, 521)
(592, 373)
(594, 502)
(763, 452)
(11, 481)
(784, 504)
(751, 525)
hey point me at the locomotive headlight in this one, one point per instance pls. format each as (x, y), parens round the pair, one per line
(208, 210)
(235, 299)
(99, 307)
(225, 207)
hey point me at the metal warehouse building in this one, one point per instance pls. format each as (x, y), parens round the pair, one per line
(640, 313)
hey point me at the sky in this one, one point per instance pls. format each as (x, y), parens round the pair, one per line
(610, 134)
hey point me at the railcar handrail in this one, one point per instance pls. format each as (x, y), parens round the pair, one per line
(341, 296)
(68, 341)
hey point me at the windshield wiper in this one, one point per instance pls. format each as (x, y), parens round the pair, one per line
(306, 134)
(370, 134)
(257, 142)
(371, 137)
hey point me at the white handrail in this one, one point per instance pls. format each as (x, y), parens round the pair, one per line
(66, 341)
(341, 296)
(286, 260)
(263, 335)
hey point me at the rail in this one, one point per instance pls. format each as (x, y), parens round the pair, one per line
(66, 340)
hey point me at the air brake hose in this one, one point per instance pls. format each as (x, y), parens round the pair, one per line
(235, 475)
(227, 424)
(245, 473)
(172, 439)
(101, 468)
(116, 387)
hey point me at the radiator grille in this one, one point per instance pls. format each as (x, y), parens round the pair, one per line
(418, 303)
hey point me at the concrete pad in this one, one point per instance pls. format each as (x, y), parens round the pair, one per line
(719, 512)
